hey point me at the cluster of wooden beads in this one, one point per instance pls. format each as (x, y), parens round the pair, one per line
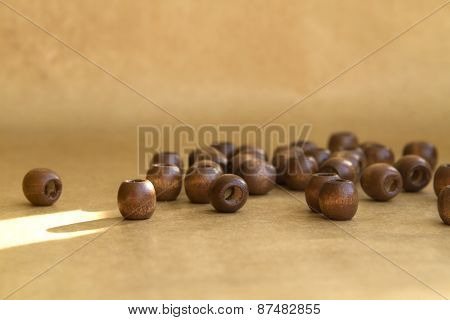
(225, 176)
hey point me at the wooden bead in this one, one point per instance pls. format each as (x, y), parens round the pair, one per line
(444, 205)
(168, 158)
(198, 182)
(342, 141)
(208, 153)
(42, 187)
(307, 146)
(441, 178)
(355, 156)
(227, 148)
(338, 200)
(415, 171)
(314, 186)
(237, 160)
(228, 193)
(136, 199)
(205, 163)
(320, 154)
(377, 153)
(299, 170)
(279, 160)
(341, 167)
(381, 181)
(167, 181)
(423, 149)
(256, 152)
(313, 164)
(259, 175)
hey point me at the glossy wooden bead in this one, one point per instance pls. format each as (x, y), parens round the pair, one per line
(341, 167)
(441, 178)
(168, 158)
(342, 141)
(444, 205)
(259, 175)
(377, 153)
(299, 171)
(320, 154)
(42, 187)
(228, 193)
(255, 151)
(208, 153)
(136, 199)
(227, 148)
(381, 181)
(198, 182)
(167, 180)
(423, 149)
(415, 171)
(307, 146)
(314, 186)
(338, 200)
(203, 164)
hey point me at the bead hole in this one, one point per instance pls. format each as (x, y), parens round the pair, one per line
(390, 184)
(233, 194)
(52, 189)
(136, 181)
(418, 176)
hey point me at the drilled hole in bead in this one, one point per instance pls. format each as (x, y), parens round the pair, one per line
(390, 184)
(418, 176)
(136, 181)
(52, 189)
(233, 194)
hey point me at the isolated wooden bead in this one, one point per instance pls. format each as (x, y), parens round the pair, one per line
(423, 149)
(198, 182)
(203, 164)
(208, 153)
(381, 181)
(168, 158)
(341, 167)
(228, 193)
(167, 180)
(377, 153)
(314, 186)
(441, 178)
(338, 200)
(136, 199)
(42, 187)
(444, 205)
(259, 175)
(415, 171)
(342, 141)
(299, 170)
(306, 145)
(227, 148)
(320, 154)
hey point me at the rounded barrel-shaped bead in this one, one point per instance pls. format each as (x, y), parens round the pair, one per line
(423, 149)
(441, 178)
(167, 180)
(342, 141)
(197, 183)
(42, 187)
(314, 186)
(259, 175)
(381, 181)
(338, 200)
(136, 199)
(228, 193)
(415, 171)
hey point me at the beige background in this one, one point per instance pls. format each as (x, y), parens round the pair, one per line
(215, 62)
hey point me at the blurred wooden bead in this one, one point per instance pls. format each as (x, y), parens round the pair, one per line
(237, 160)
(341, 167)
(356, 157)
(136, 199)
(377, 153)
(299, 170)
(307, 146)
(342, 141)
(228, 193)
(320, 154)
(205, 163)
(381, 181)
(338, 200)
(255, 151)
(314, 186)
(168, 158)
(313, 164)
(444, 205)
(198, 182)
(441, 178)
(259, 175)
(227, 148)
(423, 149)
(167, 181)
(208, 153)
(415, 171)
(279, 160)
(42, 187)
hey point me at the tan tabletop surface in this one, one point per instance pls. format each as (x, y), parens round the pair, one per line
(212, 62)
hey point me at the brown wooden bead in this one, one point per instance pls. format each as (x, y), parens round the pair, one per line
(198, 182)
(167, 180)
(341, 167)
(227, 148)
(377, 153)
(342, 141)
(381, 181)
(228, 193)
(415, 171)
(444, 205)
(320, 154)
(205, 163)
(441, 178)
(237, 160)
(208, 153)
(338, 200)
(314, 186)
(355, 156)
(423, 149)
(307, 146)
(255, 151)
(279, 160)
(168, 158)
(136, 199)
(299, 170)
(259, 175)
(42, 187)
